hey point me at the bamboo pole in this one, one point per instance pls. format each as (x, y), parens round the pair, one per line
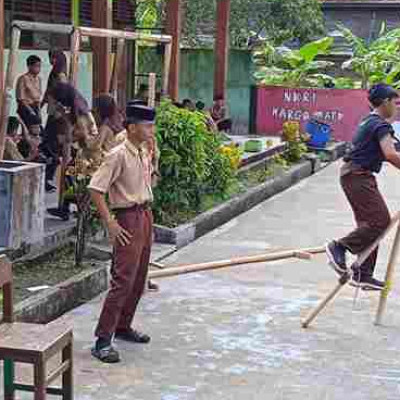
(117, 68)
(167, 67)
(74, 67)
(152, 90)
(116, 34)
(344, 279)
(43, 27)
(9, 86)
(186, 269)
(389, 277)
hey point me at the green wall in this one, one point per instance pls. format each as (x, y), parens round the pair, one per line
(197, 82)
(197, 79)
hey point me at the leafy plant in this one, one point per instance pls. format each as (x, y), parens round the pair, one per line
(296, 147)
(277, 20)
(192, 164)
(292, 68)
(378, 61)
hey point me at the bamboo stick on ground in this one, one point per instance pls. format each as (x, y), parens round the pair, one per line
(186, 269)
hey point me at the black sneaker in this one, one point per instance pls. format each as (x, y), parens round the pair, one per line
(59, 213)
(132, 336)
(50, 188)
(105, 352)
(365, 282)
(337, 257)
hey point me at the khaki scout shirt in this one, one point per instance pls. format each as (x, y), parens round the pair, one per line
(125, 175)
(29, 89)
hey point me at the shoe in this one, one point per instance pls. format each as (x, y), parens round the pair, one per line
(153, 287)
(337, 257)
(365, 282)
(105, 352)
(132, 336)
(56, 212)
(50, 188)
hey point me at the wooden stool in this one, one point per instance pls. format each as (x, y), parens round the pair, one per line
(33, 344)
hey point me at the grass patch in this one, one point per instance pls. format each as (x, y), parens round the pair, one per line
(50, 269)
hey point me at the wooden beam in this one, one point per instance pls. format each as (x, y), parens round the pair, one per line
(9, 86)
(2, 28)
(173, 28)
(101, 18)
(221, 50)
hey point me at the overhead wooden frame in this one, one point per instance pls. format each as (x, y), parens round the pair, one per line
(121, 36)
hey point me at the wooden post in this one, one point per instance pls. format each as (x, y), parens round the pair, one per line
(167, 67)
(2, 28)
(9, 86)
(75, 45)
(221, 48)
(118, 60)
(173, 28)
(101, 18)
(389, 277)
(152, 90)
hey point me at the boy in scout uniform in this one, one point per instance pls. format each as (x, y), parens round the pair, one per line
(126, 177)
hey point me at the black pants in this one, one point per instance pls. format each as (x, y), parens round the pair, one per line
(370, 212)
(30, 115)
(49, 148)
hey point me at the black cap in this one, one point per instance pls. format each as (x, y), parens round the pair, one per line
(380, 92)
(140, 114)
(137, 102)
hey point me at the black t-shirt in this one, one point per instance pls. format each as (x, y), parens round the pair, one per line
(366, 151)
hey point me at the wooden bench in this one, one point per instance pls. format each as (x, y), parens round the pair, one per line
(33, 344)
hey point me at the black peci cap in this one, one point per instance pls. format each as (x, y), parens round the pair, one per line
(140, 114)
(380, 92)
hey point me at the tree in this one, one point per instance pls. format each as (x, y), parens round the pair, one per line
(378, 61)
(293, 68)
(277, 20)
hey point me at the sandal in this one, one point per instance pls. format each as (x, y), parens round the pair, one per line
(106, 355)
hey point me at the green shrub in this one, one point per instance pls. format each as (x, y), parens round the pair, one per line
(192, 165)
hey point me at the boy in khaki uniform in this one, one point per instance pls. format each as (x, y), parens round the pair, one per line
(126, 176)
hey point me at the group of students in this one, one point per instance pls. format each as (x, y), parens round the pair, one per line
(217, 118)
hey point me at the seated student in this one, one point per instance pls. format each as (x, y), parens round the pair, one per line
(211, 125)
(219, 113)
(188, 105)
(29, 143)
(11, 151)
(110, 122)
(29, 95)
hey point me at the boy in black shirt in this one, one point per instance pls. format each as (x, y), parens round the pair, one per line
(372, 145)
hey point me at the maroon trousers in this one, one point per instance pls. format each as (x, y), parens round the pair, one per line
(370, 212)
(128, 272)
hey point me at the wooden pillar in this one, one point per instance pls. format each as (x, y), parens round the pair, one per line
(2, 27)
(221, 49)
(101, 18)
(173, 28)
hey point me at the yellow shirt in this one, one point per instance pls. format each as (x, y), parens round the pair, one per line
(125, 175)
(29, 89)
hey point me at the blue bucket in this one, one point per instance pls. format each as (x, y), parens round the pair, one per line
(320, 133)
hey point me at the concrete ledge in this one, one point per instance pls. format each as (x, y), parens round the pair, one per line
(54, 302)
(57, 234)
(204, 223)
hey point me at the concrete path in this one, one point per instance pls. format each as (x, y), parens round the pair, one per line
(234, 334)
